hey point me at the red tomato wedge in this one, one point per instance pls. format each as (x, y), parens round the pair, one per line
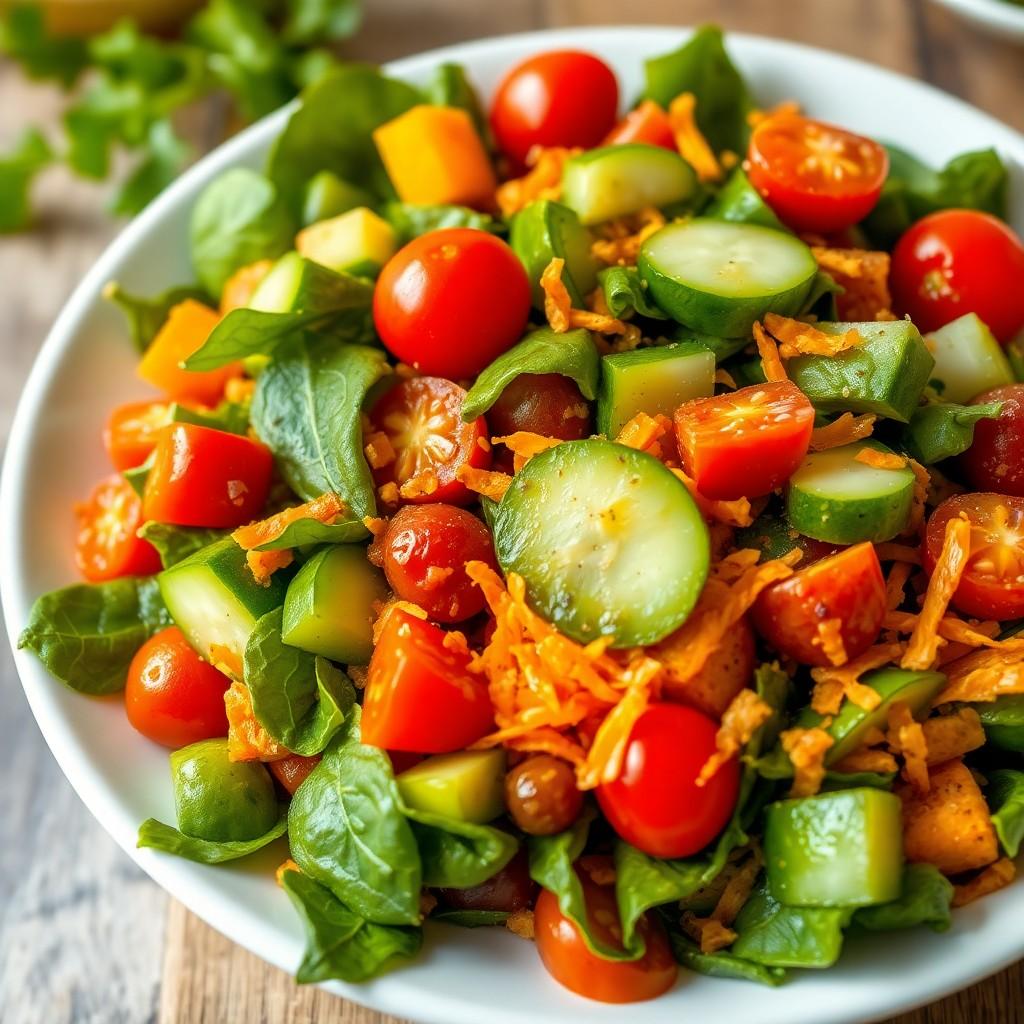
(293, 770)
(420, 695)
(205, 477)
(745, 443)
(847, 586)
(992, 586)
(131, 432)
(648, 123)
(107, 546)
(815, 176)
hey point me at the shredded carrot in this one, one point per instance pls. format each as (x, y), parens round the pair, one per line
(895, 584)
(226, 660)
(428, 901)
(263, 564)
(520, 922)
(621, 241)
(830, 639)
(421, 485)
(325, 509)
(950, 736)
(690, 141)
(807, 749)
(949, 627)
(982, 676)
(375, 525)
(797, 338)
(732, 513)
(726, 378)
(787, 108)
(738, 888)
(379, 450)
(880, 460)
(906, 737)
(733, 565)
(524, 445)
(387, 607)
(542, 181)
(710, 934)
(771, 362)
(864, 277)
(864, 759)
(991, 879)
(436, 576)
(644, 433)
(746, 713)
(490, 484)
(247, 739)
(832, 684)
(455, 641)
(842, 430)
(562, 317)
(288, 865)
(922, 485)
(388, 493)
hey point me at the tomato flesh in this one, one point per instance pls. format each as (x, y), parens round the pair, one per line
(293, 770)
(132, 431)
(420, 695)
(645, 123)
(995, 460)
(745, 443)
(106, 545)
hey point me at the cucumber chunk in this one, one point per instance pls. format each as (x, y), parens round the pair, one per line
(613, 181)
(741, 203)
(467, 785)
(838, 849)
(835, 498)
(886, 374)
(356, 240)
(328, 609)
(968, 360)
(215, 601)
(545, 230)
(327, 195)
(652, 380)
(719, 277)
(609, 542)
(296, 284)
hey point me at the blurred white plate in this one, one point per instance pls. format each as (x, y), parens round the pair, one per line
(995, 17)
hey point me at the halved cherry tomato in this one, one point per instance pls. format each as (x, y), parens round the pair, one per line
(132, 430)
(171, 695)
(426, 548)
(420, 695)
(568, 960)
(815, 176)
(960, 261)
(451, 301)
(646, 122)
(293, 770)
(655, 803)
(107, 546)
(559, 98)
(205, 477)
(992, 585)
(422, 418)
(995, 460)
(745, 443)
(847, 586)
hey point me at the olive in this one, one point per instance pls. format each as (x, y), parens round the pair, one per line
(509, 890)
(541, 795)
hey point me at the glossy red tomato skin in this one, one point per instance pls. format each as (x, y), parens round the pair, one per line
(171, 695)
(995, 460)
(655, 803)
(451, 301)
(107, 545)
(420, 696)
(847, 586)
(745, 443)
(960, 261)
(992, 584)
(422, 418)
(568, 960)
(422, 538)
(293, 770)
(205, 477)
(815, 176)
(559, 98)
(131, 432)
(648, 123)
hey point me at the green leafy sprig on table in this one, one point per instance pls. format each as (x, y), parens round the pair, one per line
(125, 86)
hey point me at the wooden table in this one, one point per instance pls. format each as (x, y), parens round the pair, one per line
(84, 935)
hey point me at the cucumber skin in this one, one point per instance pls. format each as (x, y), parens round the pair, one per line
(739, 202)
(546, 229)
(848, 521)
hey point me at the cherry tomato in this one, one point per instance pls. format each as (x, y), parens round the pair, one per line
(451, 301)
(847, 586)
(107, 546)
(745, 443)
(402, 760)
(655, 803)
(420, 695)
(422, 418)
(992, 585)
(564, 952)
(508, 890)
(815, 176)
(293, 770)
(995, 460)
(171, 695)
(646, 122)
(560, 98)
(205, 477)
(426, 548)
(132, 430)
(960, 261)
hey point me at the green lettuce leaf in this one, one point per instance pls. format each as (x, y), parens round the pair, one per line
(175, 543)
(1005, 794)
(449, 86)
(722, 964)
(924, 900)
(146, 316)
(939, 431)
(410, 220)
(158, 836)
(625, 293)
(18, 170)
(162, 158)
(25, 39)
(321, 21)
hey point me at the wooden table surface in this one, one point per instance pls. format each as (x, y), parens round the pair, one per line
(84, 935)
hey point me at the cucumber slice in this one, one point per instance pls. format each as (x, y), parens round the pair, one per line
(215, 601)
(741, 203)
(968, 360)
(613, 181)
(886, 374)
(652, 380)
(546, 229)
(609, 542)
(467, 785)
(719, 277)
(327, 195)
(296, 284)
(835, 498)
(357, 239)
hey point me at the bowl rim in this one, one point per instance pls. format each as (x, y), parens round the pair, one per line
(993, 15)
(178, 878)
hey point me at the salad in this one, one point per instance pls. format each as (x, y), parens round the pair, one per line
(608, 527)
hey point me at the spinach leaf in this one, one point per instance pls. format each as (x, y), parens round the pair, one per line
(740, 202)
(339, 943)
(471, 918)
(87, 634)
(938, 431)
(307, 410)
(18, 170)
(320, 21)
(625, 293)
(163, 154)
(721, 964)
(158, 836)
(924, 899)
(1003, 718)
(411, 220)
(449, 86)
(175, 543)
(1005, 794)
(238, 219)
(821, 299)
(24, 38)
(304, 532)
(347, 831)
(146, 316)
(301, 700)
(571, 354)
(703, 67)
(231, 417)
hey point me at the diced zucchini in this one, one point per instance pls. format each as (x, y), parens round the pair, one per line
(968, 360)
(885, 374)
(327, 196)
(609, 542)
(652, 380)
(613, 181)
(295, 284)
(838, 849)
(545, 230)
(329, 607)
(357, 240)
(719, 277)
(836, 498)
(1003, 721)
(740, 202)
(215, 601)
(467, 785)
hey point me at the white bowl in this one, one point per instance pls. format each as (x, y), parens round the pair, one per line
(87, 365)
(994, 17)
